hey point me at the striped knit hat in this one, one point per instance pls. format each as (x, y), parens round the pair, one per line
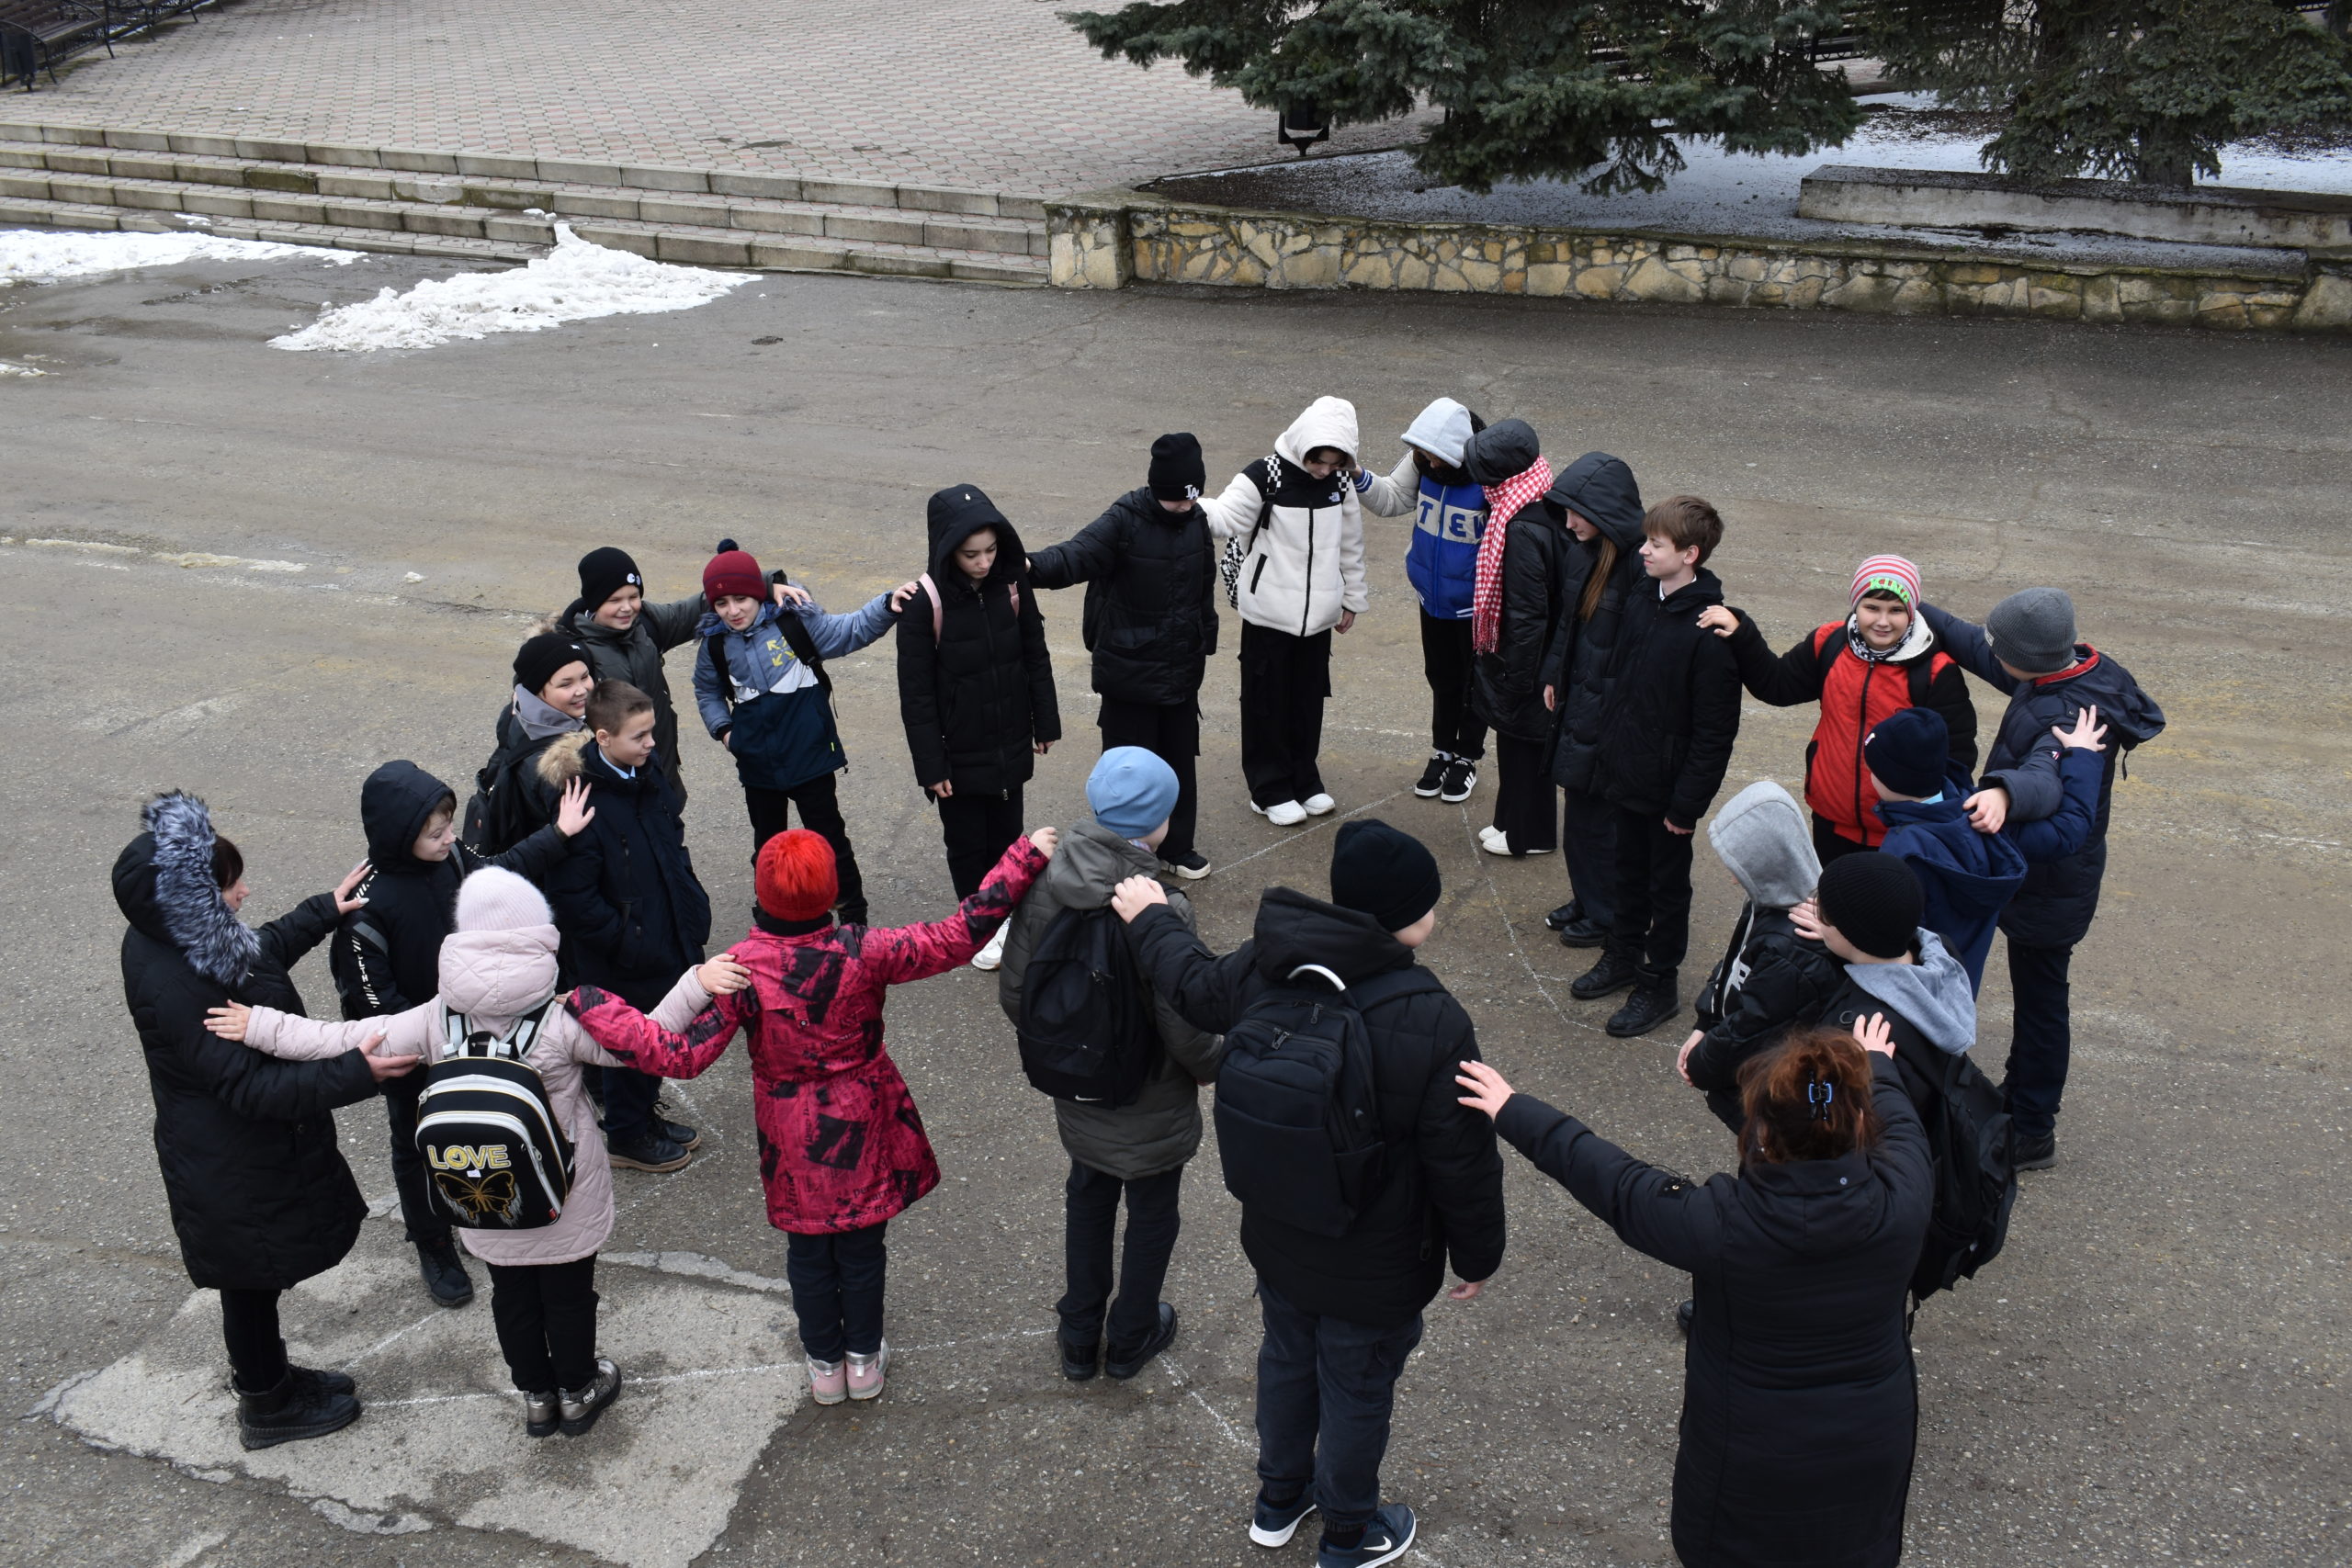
(1887, 574)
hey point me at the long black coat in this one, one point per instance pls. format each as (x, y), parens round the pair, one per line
(1507, 685)
(1673, 708)
(1445, 1190)
(634, 918)
(976, 697)
(260, 1196)
(1601, 489)
(1151, 616)
(1800, 1403)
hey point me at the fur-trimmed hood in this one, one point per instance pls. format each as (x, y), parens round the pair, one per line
(162, 884)
(559, 762)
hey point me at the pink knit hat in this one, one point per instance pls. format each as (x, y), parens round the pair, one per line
(1887, 574)
(492, 900)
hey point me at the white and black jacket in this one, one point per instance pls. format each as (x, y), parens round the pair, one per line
(1305, 535)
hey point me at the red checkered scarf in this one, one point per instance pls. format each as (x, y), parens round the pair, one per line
(1504, 501)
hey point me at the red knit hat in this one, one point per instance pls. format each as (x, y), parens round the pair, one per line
(733, 571)
(797, 880)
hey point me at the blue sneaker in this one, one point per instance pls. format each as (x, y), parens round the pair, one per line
(1388, 1536)
(1274, 1527)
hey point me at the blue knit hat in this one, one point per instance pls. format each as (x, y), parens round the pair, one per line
(1132, 791)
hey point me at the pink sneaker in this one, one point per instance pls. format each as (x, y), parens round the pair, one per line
(866, 1373)
(827, 1382)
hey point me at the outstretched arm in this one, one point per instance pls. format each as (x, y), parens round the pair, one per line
(837, 634)
(900, 953)
(1090, 553)
(1968, 644)
(1205, 990)
(1397, 493)
(1651, 1211)
(631, 1038)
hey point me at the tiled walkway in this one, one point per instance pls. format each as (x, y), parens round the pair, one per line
(997, 95)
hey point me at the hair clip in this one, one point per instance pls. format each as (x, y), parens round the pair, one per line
(1819, 1094)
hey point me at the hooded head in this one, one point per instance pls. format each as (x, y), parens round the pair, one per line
(165, 887)
(1762, 835)
(395, 804)
(499, 960)
(1327, 421)
(956, 513)
(1503, 450)
(1442, 430)
(1601, 489)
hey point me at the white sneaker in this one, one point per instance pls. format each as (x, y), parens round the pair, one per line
(1289, 814)
(993, 955)
(1500, 845)
(1318, 804)
(1489, 834)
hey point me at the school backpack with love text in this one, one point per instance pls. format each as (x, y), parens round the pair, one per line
(1297, 1106)
(495, 1157)
(1087, 1031)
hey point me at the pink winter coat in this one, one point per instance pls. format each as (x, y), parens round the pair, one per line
(494, 978)
(842, 1145)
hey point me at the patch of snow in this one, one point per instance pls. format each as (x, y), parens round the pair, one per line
(8, 370)
(574, 282)
(35, 255)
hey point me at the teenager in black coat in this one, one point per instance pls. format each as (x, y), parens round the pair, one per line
(1800, 1403)
(1150, 567)
(1507, 680)
(261, 1198)
(976, 685)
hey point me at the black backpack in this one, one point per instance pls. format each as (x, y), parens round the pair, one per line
(1970, 1140)
(495, 1157)
(1297, 1104)
(496, 818)
(1086, 1028)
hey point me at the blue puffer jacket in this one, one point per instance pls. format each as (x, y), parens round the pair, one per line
(1968, 877)
(1442, 563)
(771, 714)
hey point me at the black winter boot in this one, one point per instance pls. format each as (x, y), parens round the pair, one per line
(1563, 916)
(291, 1412)
(1581, 932)
(1123, 1364)
(323, 1383)
(1078, 1360)
(1613, 973)
(579, 1407)
(445, 1276)
(1652, 1003)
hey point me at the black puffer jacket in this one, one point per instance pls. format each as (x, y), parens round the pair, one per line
(634, 918)
(387, 953)
(1600, 489)
(1673, 707)
(1444, 1191)
(979, 695)
(636, 656)
(261, 1198)
(1768, 978)
(1799, 1405)
(1150, 616)
(1507, 683)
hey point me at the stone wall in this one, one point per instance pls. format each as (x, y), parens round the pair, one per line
(1104, 243)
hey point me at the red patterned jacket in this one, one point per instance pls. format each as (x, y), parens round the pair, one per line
(842, 1145)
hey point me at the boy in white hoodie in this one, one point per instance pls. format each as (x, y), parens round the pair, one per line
(1294, 567)
(498, 969)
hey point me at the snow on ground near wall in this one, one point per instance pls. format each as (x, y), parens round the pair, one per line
(572, 283)
(32, 255)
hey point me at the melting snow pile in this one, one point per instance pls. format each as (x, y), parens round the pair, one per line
(28, 255)
(572, 283)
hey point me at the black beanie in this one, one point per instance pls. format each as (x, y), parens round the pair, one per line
(537, 661)
(1910, 749)
(1387, 875)
(604, 572)
(1874, 899)
(1177, 471)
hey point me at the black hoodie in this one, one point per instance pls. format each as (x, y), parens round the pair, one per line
(1600, 489)
(1444, 1190)
(386, 957)
(1672, 713)
(977, 695)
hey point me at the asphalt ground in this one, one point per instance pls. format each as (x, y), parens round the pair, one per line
(2155, 1371)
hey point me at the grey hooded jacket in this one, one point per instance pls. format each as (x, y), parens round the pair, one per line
(1162, 1128)
(1932, 994)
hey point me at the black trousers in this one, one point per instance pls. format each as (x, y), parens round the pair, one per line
(1326, 1388)
(1285, 680)
(1523, 792)
(1090, 1215)
(978, 826)
(1653, 923)
(546, 1314)
(2042, 1040)
(628, 1103)
(837, 1284)
(820, 812)
(249, 1328)
(1455, 727)
(1172, 732)
(1589, 843)
(426, 1228)
(1828, 844)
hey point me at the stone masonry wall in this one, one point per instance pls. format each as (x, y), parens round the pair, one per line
(1104, 243)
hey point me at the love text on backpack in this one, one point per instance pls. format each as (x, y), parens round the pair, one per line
(496, 1156)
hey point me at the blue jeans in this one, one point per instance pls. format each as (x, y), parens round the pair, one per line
(1325, 1390)
(2041, 1039)
(837, 1283)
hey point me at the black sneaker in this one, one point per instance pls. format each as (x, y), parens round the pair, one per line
(1192, 865)
(1563, 916)
(1078, 1360)
(320, 1383)
(1433, 777)
(1581, 932)
(1460, 778)
(579, 1407)
(1682, 1316)
(1616, 972)
(1653, 1001)
(678, 1132)
(542, 1413)
(2030, 1152)
(445, 1276)
(1274, 1525)
(650, 1150)
(1388, 1536)
(290, 1413)
(1125, 1364)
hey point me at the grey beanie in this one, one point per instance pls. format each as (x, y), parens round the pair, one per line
(2034, 630)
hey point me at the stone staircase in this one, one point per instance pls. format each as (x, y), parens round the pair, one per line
(487, 207)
